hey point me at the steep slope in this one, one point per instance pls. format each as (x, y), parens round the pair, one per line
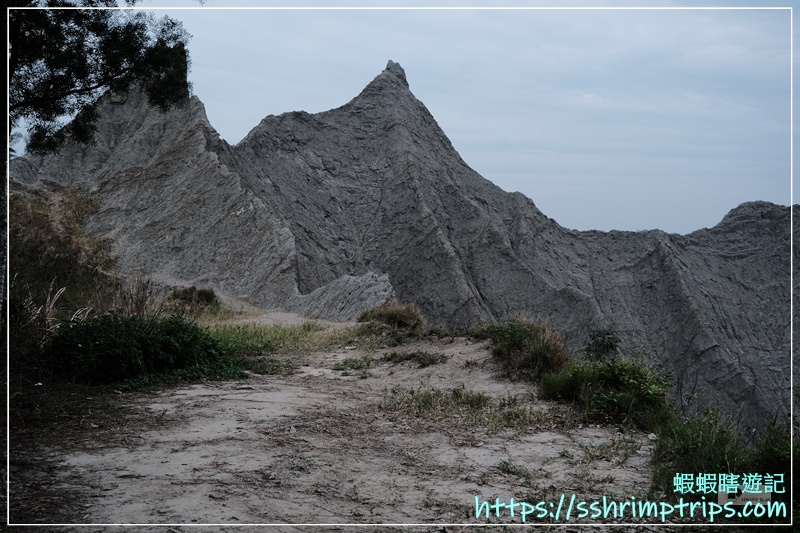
(178, 214)
(331, 213)
(363, 187)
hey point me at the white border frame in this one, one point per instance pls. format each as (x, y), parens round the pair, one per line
(790, 9)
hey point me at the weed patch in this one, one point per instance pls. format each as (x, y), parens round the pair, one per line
(110, 348)
(47, 246)
(463, 407)
(615, 391)
(512, 469)
(364, 362)
(603, 344)
(195, 302)
(399, 315)
(712, 443)
(525, 348)
(253, 340)
(428, 402)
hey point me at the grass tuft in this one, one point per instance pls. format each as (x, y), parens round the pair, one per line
(525, 348)
(712, 443)
(426, 402)
(195, 302)
(464, 407)
(253, 340)
(396, 314)
(512, 469)
(364, 362)
(615, 391)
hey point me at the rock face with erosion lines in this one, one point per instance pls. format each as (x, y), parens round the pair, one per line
(332, 213)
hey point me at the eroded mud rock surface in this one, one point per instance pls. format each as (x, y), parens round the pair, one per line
(332, 213)
(327, 446)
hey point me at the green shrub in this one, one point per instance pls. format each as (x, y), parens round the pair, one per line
(116, 347)
(135, 296)
(615, 391)
(603, 344)
(400, 315)
(470, 399)
(712, 443)
(527, 349)
(703, 444)
(32, 326)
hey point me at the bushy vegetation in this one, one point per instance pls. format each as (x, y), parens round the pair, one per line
(615, 391)
(603, 344)
(74, 319)
(31, 324)
(396, 314)
(710, 442)
(365, 362)
(116, 347)
(610, 389)
(48, 248)
(195, 302)
(526, 348)
(702, 444)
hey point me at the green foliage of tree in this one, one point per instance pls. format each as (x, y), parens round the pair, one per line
(63, 59)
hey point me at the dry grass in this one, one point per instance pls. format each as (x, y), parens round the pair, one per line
(294, 339)
(396, 314)
(47, 245)
(466, 408)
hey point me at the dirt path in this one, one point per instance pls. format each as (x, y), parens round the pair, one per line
(345, 447)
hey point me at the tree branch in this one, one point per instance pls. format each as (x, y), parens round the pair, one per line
(81, 90)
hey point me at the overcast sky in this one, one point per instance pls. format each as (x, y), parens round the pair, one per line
(619, 119)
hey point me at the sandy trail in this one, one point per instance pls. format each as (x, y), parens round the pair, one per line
(322, 447)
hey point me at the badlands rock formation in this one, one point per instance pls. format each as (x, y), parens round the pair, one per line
(332, 213)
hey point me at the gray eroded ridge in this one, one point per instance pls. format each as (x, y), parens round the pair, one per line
(331, 213)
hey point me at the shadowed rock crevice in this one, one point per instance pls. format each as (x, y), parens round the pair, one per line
(332, 213)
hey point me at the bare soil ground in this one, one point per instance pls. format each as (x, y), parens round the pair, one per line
(320, 446)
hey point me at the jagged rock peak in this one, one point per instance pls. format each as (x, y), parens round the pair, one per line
(395, 70)
(392, 81)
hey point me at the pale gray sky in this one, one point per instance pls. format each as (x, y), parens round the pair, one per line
(618, 119)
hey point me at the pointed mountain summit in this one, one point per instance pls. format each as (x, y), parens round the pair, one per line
(393, 74)
(389, 88)
(332, 213)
